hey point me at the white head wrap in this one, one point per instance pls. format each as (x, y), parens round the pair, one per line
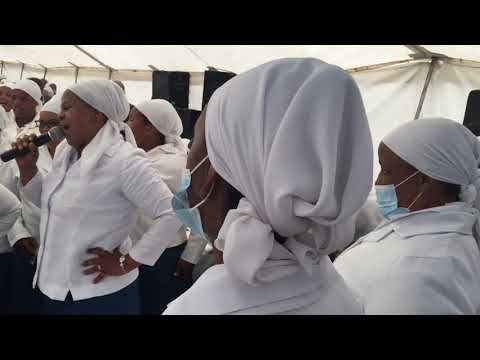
(31, 88)
(292, 136)
(6, 84)
(54, 105)
(48, 89)
(163, 116)
(443, 149)
(108, 98)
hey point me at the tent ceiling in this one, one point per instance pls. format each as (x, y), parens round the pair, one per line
(196, 58)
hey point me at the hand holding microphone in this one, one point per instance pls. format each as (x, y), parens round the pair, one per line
(25, 151)
(27, 158)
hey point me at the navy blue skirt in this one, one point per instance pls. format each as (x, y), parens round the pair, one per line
(123, 302)
(5, 282)
(25, 299)
(158, 285)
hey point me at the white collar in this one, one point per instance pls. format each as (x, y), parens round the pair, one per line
(165, 149)
(455, 217)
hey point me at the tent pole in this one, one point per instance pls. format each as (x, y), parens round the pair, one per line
(77, 69)
(44, 71)
(21, 71)
(110, 69)
(425, 87)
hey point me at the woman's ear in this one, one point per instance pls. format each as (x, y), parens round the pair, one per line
(211, 181)
(100, 118)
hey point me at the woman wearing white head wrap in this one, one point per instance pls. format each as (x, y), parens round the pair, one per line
(47, 120)
(292, 137)
(423, 259)
(7, 117)
(89, 202)
(157, 129)
(163, 116)
(25, 235)
(27, 102)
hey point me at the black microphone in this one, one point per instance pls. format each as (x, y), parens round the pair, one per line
(54, 134)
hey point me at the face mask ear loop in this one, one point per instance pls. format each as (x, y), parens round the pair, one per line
(408, 178)
(414, 201)
(199, 164)
(206, 198)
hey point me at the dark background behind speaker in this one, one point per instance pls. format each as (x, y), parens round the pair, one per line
(472, 112)
(189, 118)
(173, 86)
(212, 81)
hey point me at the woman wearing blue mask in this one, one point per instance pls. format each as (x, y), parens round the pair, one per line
(279, 164)
(423, 258)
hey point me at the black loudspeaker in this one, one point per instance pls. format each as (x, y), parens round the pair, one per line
(173, 86)
(212, 81)
(472, 113)
(189, 118)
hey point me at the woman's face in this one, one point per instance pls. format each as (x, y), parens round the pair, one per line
(394, 170)
(139, 126)
(47, 121)
(79, 121)
(24, 106)
(204, 179)
(6, 98)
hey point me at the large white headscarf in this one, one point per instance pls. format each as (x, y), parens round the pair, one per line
(443, 149)
(108, 98)
(292, 136)
(163, 116)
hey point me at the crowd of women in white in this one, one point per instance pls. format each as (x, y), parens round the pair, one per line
(277, 178)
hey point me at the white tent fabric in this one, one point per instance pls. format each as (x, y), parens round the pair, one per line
(391, 77)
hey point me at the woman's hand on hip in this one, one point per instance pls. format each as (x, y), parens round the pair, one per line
(107, 264)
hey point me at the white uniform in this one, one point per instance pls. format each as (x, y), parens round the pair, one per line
(30, 212)
(218, 292)
(10, 176)
(426, 262)
(169, 162)
(10, 210)
(82, 209)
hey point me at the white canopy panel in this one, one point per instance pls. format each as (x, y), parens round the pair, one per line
(391, 92)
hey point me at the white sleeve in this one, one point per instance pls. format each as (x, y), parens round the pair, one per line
(10, 210)
(33, 190)
(9, 176)
(18, 231)
(142, 185)
(194, 249)
(419, 286)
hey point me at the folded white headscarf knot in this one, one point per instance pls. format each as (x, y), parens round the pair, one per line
(292, 136)
(163, 116)
(108, 98)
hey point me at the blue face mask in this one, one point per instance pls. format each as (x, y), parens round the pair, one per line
(387, 200)
(189, 216)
